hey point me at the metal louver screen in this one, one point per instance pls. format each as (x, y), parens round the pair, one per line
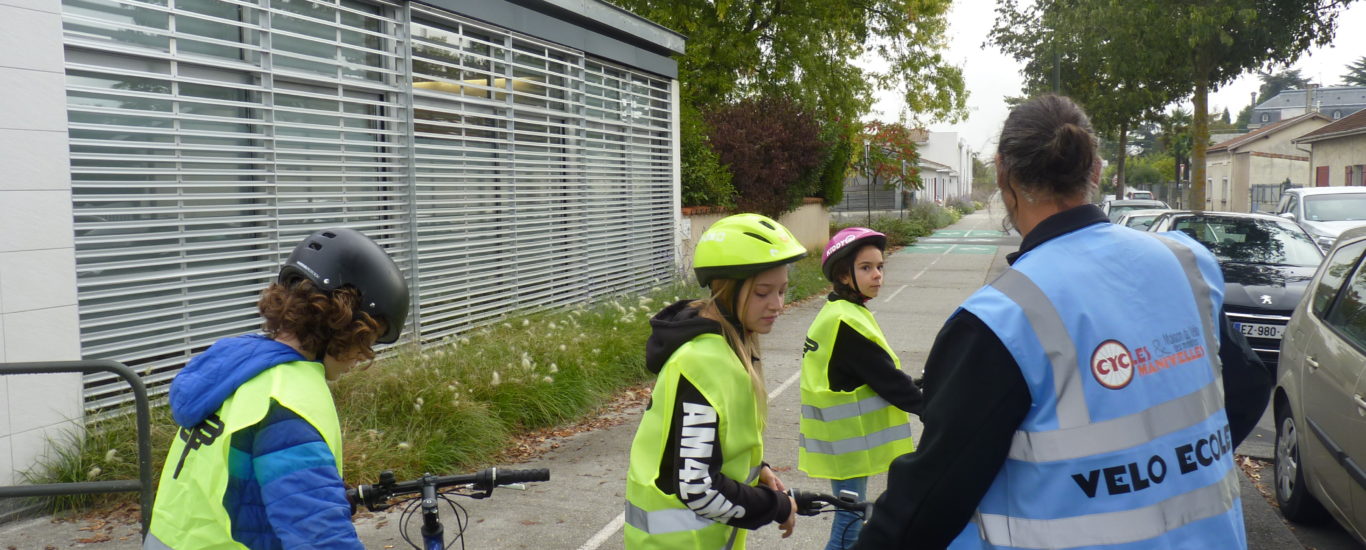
(209, 136)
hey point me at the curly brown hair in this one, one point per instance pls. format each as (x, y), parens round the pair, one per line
(314, 317)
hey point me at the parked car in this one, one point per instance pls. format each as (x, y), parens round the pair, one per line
(1139, 194)
(1267, 262)
(1141, 219)
(1320, 399)
(1325, 212)
(1115, 209)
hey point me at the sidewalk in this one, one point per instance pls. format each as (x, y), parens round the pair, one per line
(581, 507)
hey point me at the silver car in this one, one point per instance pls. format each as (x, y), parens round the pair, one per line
(1324, 212)
(1320, 399)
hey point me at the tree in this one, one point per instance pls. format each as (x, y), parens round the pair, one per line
(1223, 39)
(892, 156)
(1275, 83)
(1176, 140)
(806, 51)
(1244, 116)
(1202, 45)
(770, 145)
(1085, 52)
(1356, 72)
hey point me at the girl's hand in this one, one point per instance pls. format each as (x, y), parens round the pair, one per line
(769, 479)
(791, 524)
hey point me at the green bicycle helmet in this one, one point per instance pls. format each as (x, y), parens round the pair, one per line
(743, 245)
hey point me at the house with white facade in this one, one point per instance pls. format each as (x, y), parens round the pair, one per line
(945, 166)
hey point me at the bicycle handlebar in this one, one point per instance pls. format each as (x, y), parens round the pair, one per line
(810, 504)
(376, 497)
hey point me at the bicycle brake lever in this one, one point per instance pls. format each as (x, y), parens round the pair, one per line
(517, 486)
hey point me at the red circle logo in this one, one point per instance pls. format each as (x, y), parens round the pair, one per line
(1112, 365)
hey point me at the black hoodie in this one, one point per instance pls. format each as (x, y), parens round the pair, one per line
(674, 326)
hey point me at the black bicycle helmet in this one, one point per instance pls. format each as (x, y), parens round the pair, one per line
(337, 257)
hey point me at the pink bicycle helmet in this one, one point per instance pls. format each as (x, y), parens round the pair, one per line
(845, 243)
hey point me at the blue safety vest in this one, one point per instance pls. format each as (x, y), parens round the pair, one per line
(1127, 444)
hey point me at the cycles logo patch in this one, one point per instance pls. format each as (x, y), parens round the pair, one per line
(1112, 365)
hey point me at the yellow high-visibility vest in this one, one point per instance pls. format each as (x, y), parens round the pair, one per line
(846, 434)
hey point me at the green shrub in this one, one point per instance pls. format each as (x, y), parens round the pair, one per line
(704, 180)
(933, 215)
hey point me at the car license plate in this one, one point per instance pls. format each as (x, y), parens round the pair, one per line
(1255, 330)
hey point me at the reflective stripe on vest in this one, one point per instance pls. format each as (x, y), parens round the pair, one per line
(188, 512)
(1127, 440)
(846, 434)
(1120, 527)
(655, 519)
(847, 410)
(855, 444)
(154, 543)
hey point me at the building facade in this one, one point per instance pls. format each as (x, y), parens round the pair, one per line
(1337, 152)
(165, 157)
(1262, 159)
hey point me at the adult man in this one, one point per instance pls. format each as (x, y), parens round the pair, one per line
(1063, 409)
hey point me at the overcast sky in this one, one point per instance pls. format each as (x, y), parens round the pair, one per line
(990, 76)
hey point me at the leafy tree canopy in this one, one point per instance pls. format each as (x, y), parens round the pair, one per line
(1275, 83)
(1356, 72)
(806, 50)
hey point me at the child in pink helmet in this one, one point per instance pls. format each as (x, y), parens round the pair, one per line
(855, 398)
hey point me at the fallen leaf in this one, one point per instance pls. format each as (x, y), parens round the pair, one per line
(92, 540)
(530, 522)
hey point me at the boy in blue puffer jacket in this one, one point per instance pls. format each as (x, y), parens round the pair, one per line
(256, 462)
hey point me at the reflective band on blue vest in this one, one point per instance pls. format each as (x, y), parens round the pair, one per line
(1057, 342)
(1202, 297)
(1113, 527)
(847, 410)
(855, 444)
(1119, 433)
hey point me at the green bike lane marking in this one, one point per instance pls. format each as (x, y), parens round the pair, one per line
(960, 233)
(950, 249)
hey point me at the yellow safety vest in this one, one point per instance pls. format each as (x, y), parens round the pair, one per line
(659, 520)
(846, 434)
(189, 513)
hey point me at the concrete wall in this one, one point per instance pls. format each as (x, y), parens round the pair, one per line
(38, 319)
(1218, 167)
(810, 224)
(1337, 154)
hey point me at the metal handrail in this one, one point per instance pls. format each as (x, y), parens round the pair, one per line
(144, 481)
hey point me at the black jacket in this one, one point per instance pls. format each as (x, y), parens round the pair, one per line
(976, 398)
(855, 360)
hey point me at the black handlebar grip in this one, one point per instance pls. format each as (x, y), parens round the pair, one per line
(505, 477)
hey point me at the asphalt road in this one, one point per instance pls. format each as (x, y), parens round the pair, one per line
(581, 507)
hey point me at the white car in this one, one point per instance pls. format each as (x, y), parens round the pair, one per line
(1141, 219)
(1324, 212)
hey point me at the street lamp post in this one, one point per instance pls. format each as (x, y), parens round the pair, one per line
(868, 179)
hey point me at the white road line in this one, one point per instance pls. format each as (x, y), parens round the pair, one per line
(606, 532)
(611, 528)
(898, 291)
(774, 394)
